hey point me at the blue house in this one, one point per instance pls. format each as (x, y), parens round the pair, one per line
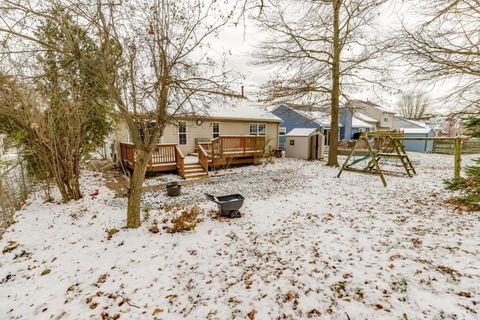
(415, 129)
(296, 118)
(352, 124)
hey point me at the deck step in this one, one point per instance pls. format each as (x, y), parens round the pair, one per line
(192, 165)
(193, 170)
(195, 175)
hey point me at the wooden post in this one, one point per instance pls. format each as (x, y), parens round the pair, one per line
(377, 167)
(458, 157)
(348, 158)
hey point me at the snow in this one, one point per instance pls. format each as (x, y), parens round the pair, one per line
(368, 104)
(357, 123)
(242, 109)
(416, 130)
(365, 118)
(301, 132)
(307, 243)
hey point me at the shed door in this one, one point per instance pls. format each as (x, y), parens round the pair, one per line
(314, 147)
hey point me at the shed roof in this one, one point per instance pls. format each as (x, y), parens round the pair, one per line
(301, 132)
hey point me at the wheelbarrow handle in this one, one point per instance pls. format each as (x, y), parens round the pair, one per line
(211, 198)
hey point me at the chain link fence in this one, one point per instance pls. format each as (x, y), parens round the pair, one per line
(14, 188)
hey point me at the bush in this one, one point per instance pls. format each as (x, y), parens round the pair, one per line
(469, 187)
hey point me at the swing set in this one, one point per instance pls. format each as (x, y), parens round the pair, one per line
(385, 145)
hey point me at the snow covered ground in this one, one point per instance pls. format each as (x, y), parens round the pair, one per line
(309, 245)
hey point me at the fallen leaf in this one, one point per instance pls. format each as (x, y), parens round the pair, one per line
(157, 311)
(45, 272)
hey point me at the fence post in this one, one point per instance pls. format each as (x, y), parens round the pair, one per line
(458, 157)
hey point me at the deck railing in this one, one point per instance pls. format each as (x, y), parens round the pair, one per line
(164, 154)
(225, 146)
(203, 157)
(180, 161)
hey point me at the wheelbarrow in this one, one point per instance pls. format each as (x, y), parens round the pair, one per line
(228, 205)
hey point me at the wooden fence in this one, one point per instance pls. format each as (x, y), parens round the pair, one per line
(472, 146)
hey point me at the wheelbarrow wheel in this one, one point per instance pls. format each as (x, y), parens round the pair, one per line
(235, 214)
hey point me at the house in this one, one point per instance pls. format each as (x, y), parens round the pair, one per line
(382, 116)
(296, 117)
(353, 122)
(233, 133)
(304, 143)
(415, 129)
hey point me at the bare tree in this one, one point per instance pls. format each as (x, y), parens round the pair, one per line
(446, 48)
(413, 105)
(321, 50)
(154, 60)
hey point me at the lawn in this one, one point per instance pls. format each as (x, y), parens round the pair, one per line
(308, 245)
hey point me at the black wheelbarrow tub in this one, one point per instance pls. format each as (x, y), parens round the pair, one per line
(228, 205)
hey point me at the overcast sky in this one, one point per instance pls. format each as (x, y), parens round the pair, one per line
(240, 42)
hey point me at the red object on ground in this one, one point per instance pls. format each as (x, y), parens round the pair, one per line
(94, 193)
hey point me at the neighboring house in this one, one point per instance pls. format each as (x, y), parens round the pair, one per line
(293, 118)
(383, 116)
(415, 129)
(232, 129)
(353, 122)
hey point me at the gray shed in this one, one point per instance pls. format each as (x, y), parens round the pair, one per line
(420, 145)
(304, 143)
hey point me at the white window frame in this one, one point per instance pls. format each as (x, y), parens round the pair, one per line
(257, 131)
(184, 133)
(213, 130)
(282, 131)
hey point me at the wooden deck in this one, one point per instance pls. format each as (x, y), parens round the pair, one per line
(226, 150)
(222, 151)
(166, 157)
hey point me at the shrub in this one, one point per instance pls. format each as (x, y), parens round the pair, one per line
(469, 187)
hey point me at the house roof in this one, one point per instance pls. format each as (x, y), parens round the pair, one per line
(416, 130)
(419, 124)
(368, 104)
(365, 118)
(321, 118)
(241, 109)
(301, 132)
(357, 123)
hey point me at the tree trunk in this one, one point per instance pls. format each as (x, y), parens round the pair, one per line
(332, 151)
(135, 190)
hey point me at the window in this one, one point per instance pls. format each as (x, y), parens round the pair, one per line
(257, 129)
(282, 131)
(182, 133)
(215, 130)
(142, 128)
(385, 119)
(292, 142)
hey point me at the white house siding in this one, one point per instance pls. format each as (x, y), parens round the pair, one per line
(205, 131)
